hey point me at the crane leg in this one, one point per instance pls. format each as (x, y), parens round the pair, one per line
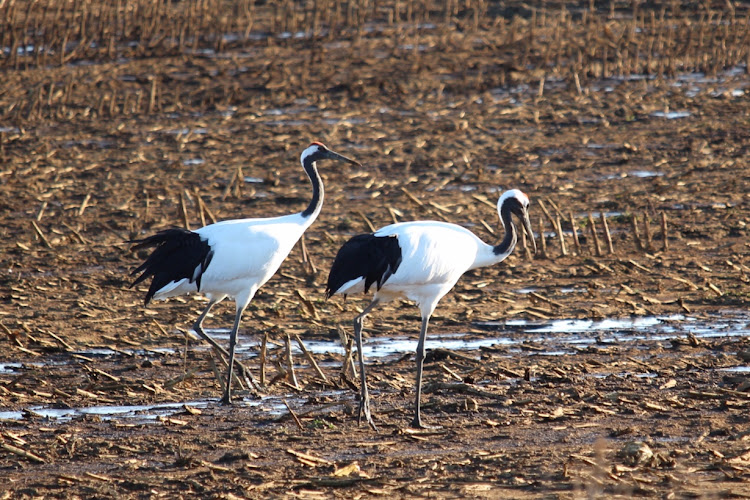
(417, 422)
(198, 328)
(364, 399)
(227, 399)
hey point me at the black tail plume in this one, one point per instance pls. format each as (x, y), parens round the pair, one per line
(178, 254)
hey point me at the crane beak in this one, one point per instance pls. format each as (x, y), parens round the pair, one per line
(331, 155)
(527, 229)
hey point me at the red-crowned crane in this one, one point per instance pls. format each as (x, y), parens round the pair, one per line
(233, 258)
(419, 261)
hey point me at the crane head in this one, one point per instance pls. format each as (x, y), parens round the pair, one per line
(517, 202)
(318, 151)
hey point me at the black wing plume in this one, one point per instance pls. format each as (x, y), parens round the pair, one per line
(178, 254)
(375, 258)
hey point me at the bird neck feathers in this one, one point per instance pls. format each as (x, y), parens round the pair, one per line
(506, 246)
(316, 203)
(488, 255)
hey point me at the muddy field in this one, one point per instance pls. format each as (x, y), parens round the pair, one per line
(613, 363)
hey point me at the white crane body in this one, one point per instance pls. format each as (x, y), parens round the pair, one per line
(232, 258)
(420, 261)
(241, 250)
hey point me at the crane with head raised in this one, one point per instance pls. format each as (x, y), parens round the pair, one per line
(232, 258)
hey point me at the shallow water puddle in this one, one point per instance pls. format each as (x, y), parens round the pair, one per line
(381, 347)
(735, 369)
(374, 347)
(641, 174)
(586, 325)
(597, 214)
(653, 328)
(671, 115)
(10, 367)
(106, 351)
(559, 335)
(603, 375)
(136, 412)
(271, 405)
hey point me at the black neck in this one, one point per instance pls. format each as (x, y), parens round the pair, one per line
(509, 241)
(317, 198)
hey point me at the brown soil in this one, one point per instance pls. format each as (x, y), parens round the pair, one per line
(102, 150)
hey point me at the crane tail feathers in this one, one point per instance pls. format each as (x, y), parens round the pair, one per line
(178, 254)
(365, 256)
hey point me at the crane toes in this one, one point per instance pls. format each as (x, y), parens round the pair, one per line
(372, 424)
(364, 407)
(418, 424)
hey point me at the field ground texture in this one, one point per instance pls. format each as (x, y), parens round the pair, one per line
(610, 364)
